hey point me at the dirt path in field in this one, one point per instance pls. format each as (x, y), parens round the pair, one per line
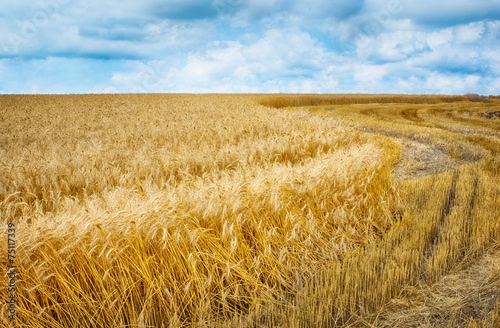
(420, 156)
(467, 293)
(419, 159)
(434, 139)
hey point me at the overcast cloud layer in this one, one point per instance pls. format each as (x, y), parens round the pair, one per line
(265, 46)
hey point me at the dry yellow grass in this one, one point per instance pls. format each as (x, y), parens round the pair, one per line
(284, 100)
(214, 210)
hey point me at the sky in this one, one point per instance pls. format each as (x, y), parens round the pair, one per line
(256, 46)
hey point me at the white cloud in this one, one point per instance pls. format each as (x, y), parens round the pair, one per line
(449, 84)
(220, 61)
(369, 73)
(437, 83)
(440, 38)
(288, 49)
(285, 56)
(469, 33)
(394, 46)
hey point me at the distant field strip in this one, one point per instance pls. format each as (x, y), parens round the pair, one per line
(463, 132)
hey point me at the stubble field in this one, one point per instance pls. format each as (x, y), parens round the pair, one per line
(251, 210)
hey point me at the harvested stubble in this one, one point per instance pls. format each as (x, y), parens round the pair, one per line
(182, 210)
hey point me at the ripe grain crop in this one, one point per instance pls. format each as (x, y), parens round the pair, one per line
(222, 210)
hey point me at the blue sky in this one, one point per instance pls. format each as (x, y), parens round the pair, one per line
(263, 46)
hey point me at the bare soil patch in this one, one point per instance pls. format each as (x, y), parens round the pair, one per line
(420, 159)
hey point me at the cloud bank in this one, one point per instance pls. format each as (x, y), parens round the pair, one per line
(319, 46)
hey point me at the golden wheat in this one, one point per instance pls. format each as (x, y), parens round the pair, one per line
(213, 210)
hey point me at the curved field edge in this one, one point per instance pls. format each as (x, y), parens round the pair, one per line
(184, 210)
(450, 221)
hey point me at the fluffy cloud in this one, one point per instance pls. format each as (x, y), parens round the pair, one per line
(446, 49)
(272, 63)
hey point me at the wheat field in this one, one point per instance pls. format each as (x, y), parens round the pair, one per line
(182, 210)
